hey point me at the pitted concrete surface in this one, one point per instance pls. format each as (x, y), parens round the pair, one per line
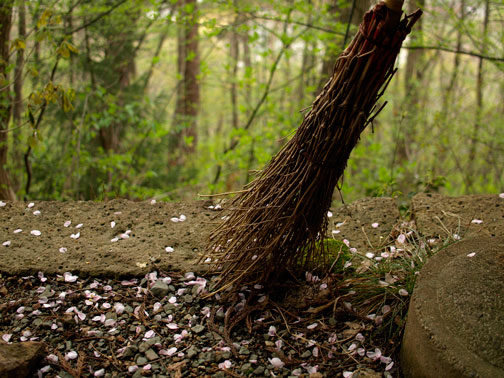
(471, 215)
(150, 230)
(357, 218)
(93, 253)
(455, 325)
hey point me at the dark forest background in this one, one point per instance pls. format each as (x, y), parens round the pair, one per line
(170, 98)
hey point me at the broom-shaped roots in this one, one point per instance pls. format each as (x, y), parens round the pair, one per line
(278, 221)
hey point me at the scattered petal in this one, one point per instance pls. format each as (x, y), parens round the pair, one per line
(67, 223)
(329, 214)
(113, 240)
(312, 326)
(132, 368)
(347, 243)
(6, 243)
(476, 221)
(6, 337)
(30, 205)
(501, 195)
(276, 362)
(272, 331)
(52, 358)
(112, 224)
(401, 239)
(385, 309)
(72, 355)
(18, 231)
(403, 292)
(2, 204)
(75, 236)
(35, 232)
(182, 218)
(369, 255)
(174, 219)
(347, 374)
(36, 212)
(225, 365)
(99, 373)
(375, 225)
(456, 237)
(79, 225)
(69, 277)
(172, 300)
(389, 366)
(63, 250)
(149, 334)
(169, 249)
(169, 352)
(172, 326)
(336, 232)
(472, 254)
(153, 202)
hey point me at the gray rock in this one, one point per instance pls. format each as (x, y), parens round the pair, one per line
(20, 359)
(244, 351)
(306, 354)
(198, 328)
(141, 360)
(130, 351)
(159, 289)
(143, 347)
(192, 351)
(259, 370)
(151, 355)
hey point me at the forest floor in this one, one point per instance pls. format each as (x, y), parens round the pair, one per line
(122, 308)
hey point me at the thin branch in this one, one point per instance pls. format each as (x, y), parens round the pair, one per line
(97, 18)
(455, 51)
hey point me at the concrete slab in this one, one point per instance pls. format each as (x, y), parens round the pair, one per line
(438, 215)
(455, 325)
(356, 222)
(93, 252)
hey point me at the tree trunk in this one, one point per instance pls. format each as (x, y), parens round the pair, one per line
(479, 105)
(17, 153)
(6, 191)
(412, 83)
(186, 109)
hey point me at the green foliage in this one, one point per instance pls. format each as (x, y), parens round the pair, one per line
(106, 97)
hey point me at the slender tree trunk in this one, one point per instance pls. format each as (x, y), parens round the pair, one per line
(479, 105)
(234, 53)
(413, 75)
(6, 191)
(186, 109)
(17, 111)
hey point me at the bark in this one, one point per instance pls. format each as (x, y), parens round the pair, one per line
(186, 109)
(17, 111)
(412, 83)
(6, 191)
(234, 53)
(479, 105)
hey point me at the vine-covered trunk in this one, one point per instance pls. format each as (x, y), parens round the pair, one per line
(6, 191)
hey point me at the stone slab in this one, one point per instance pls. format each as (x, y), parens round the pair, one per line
(455, 325)
(356, 221)
(441, 216)
(93, 253)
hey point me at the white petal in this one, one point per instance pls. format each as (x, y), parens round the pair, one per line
(36, 212)
(18, 231)
(75, 236)
(35, 232)
(401, 238)
(182, 218)
(329, 214)
(276, 362)
(99, 373)
(403, 292)
(472, 254)
(312, 326)
(79, 225)
(174, 219)
(30, 205)
(153, 202)
(112, 224)
(63, 250)
(72, 355)
(2, 204)
(476, 221)
(375, 225)
(501, 195)
(6, 243)
(149, 334)
(169, 249)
